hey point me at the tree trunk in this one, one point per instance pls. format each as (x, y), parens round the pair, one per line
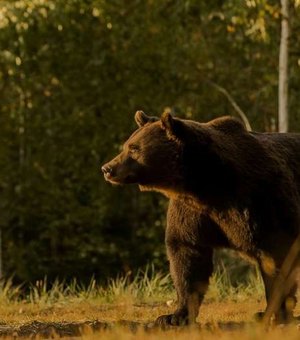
(283, 117)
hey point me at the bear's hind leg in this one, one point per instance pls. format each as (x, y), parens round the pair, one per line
(285, 312)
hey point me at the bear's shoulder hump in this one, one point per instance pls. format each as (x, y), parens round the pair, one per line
(227, 124)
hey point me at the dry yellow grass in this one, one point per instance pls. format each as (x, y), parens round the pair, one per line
(248, 333)
(217, 320)
(20, 313)
(126, 309)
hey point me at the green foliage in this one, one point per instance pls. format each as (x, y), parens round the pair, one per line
(72, 73)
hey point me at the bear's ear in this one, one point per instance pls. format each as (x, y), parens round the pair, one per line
(173, 127)
(141, 118)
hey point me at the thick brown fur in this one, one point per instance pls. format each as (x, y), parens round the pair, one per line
(227, 188)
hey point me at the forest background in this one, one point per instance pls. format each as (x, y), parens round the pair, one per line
(72, 74)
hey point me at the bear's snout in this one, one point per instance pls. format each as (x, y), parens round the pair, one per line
(107, 171)
(120, 171)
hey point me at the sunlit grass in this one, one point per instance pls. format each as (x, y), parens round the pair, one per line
(221, 288)
(129, 303)
(253, 333)
(145, 287)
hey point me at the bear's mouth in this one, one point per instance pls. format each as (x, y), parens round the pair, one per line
(111, 179)
(129, 179)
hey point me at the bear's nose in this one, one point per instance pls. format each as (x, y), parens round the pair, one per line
(106, 169)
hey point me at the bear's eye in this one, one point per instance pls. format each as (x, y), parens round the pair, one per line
(133, 149)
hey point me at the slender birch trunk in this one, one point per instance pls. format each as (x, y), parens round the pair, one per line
(283, 117)
(1, 269)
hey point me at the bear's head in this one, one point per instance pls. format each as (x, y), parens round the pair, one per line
(152, 156)
(183, 157)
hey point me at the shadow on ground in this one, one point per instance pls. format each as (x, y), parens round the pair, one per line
(46, 330)
(43, 330)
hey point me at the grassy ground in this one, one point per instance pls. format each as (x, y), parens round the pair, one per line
(127, 308)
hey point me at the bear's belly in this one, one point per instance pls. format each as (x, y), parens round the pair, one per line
(238, 229)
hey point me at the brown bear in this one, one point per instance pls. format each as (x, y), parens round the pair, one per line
(227, 187)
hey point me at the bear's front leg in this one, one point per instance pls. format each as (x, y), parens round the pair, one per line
(190, 270)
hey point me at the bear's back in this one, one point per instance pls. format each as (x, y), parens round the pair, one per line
(285, 146)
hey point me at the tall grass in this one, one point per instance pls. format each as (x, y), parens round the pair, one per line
(147, 286)
(221, 288)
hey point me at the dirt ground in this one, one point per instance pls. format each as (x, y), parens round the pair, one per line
(92, 321)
